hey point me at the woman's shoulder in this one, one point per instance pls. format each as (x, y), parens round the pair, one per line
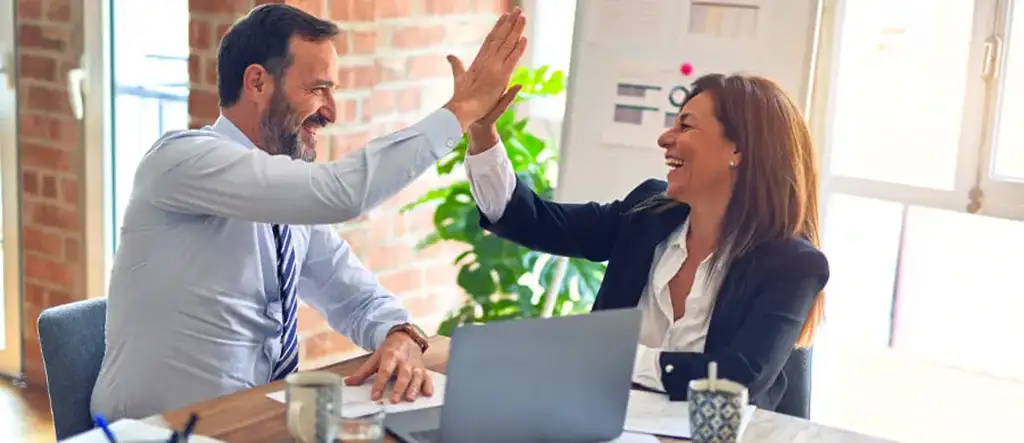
(645, 191)
(793, 256)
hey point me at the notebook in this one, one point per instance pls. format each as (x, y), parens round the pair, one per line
(134, 431)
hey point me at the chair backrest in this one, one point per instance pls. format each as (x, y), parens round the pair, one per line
(796, 401)
(72, 338)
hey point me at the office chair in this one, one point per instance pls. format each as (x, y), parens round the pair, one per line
(796, 401)
(72, 338)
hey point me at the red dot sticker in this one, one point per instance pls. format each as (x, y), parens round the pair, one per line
(686, 69)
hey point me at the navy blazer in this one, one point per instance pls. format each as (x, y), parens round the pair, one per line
(761, 305)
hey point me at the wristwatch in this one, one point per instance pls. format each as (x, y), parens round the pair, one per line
(414, 332)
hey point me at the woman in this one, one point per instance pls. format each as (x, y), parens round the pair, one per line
(721, 257)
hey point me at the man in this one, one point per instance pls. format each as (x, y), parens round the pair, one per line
(228, 224)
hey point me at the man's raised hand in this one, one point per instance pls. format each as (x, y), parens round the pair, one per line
(478, 89)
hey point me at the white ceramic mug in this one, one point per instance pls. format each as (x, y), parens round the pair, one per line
(311, 399)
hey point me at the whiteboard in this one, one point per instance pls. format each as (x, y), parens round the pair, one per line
(627, 71)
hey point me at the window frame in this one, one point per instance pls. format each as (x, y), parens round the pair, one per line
(11, 352)
(974, 151)
(1003, 198)
(102, 219)
(98, 132)
(973, 127)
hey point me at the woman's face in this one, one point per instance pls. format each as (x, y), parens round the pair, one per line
(700, 159)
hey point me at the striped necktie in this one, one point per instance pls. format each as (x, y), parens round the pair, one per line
(286, 278)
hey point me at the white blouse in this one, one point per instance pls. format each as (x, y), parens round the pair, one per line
(492, 182)
(659, 331)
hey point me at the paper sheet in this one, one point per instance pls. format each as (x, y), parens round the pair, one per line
(134, 431)
(624, 22)
(653, 413)
(642, 101)
(732, 20)
(356, 399)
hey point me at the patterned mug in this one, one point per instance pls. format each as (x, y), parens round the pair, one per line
(716, 408)
(311, 399)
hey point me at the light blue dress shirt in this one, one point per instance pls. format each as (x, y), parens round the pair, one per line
(194, 308)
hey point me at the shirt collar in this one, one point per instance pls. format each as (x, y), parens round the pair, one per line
(225, 127)
(678, 237)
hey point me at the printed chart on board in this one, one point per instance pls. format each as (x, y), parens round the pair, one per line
(677, 42)
(633, 64)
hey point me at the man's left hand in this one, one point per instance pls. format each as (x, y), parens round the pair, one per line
(400, 357)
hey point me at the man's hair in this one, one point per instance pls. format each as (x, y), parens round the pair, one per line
(261, 38)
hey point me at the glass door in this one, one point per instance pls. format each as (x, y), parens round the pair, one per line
(10, 286)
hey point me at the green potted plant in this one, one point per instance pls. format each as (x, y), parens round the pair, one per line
(503, 280)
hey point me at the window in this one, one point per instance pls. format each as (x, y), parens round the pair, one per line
(860, 308)
(137, 78)
(1009, 138)
(902, 165)
(892, 142)
(923, 211)
(149, 91)
(551, 44)
(10, 245)
(897, 119)
(959, 291)
(1003, 172)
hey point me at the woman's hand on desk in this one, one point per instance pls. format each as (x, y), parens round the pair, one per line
(400, 357)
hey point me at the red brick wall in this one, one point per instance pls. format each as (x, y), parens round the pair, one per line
(392, 72)
(50, 157)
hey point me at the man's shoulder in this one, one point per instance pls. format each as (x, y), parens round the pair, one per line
(184, 138)
(177, 146)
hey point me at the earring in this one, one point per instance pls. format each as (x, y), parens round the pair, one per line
(732, 164)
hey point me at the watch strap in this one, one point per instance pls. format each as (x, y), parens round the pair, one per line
(414, 332)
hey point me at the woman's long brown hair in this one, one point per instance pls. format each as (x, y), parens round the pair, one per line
(775, 196)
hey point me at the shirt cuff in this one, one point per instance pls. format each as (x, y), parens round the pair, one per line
(381, 333)
(492, 180)
(442, 131)
(646, 370)
(488, 159)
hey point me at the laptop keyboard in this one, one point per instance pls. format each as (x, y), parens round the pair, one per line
(428, 436)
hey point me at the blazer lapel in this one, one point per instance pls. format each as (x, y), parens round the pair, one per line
(728, 310)
(661, 226)
(643, 239)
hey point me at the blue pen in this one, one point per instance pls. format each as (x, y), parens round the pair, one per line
(190, 425)
(101, 423)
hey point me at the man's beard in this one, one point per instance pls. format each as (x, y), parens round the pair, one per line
(280, 130)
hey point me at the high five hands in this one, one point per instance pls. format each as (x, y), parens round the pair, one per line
(480, 96)
(483, 88)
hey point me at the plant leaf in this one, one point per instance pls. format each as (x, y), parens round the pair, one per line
(500, 278)
(431, 195)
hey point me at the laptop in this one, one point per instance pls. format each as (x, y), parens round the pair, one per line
(561, 379)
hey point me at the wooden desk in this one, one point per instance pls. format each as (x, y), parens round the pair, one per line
(250, 416)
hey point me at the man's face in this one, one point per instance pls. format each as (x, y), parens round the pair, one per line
(302, 100)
